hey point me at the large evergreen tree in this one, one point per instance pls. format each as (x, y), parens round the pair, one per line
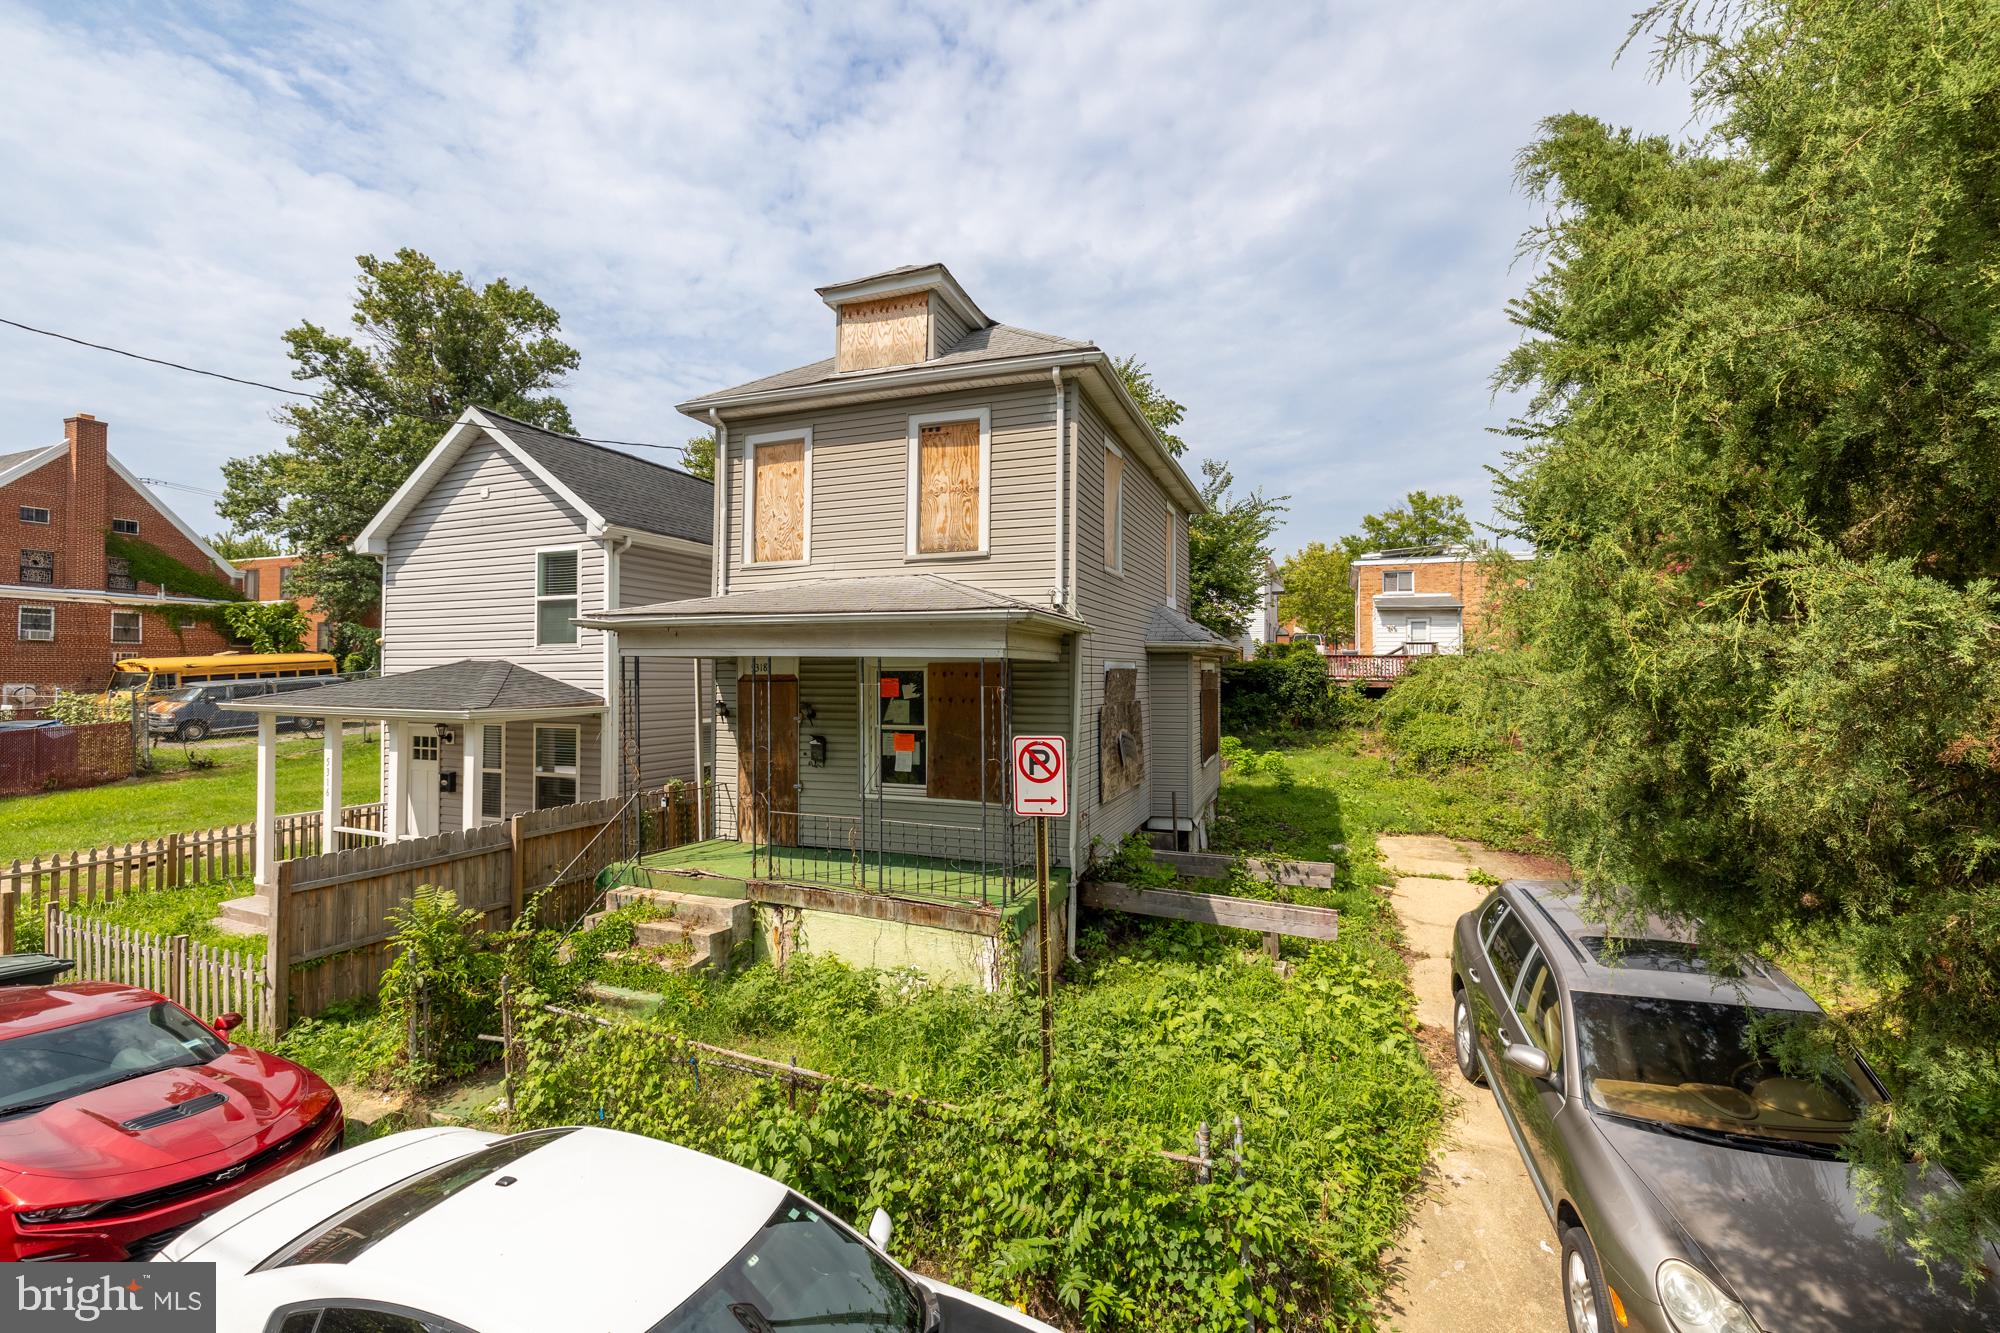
(427, 344)
(1761, 468)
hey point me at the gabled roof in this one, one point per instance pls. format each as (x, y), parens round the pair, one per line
(886, 595)
(455, 690)
(609, 489)
(23, 461)
(1170, 631)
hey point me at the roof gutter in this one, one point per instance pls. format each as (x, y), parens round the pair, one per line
(289, 707)
(1007, 615)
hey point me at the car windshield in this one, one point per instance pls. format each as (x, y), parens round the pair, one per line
(801, 1270)
(125, 680)
(190, 695)
(43, 1067)
(1714, 1069)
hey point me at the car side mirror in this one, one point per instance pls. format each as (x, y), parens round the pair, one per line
(880, 1228)
(1530, 1061)
(224, 1024)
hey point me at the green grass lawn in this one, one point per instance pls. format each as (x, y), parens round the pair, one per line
(181, 800)
(186, 911)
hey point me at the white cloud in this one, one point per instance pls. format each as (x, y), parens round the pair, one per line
(1301, 216)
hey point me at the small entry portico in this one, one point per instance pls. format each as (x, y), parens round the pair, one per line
(464, 744)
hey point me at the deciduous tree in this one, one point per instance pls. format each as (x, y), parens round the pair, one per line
(1316, 592)
(1422, 519)
(426, 345)
(1229, 550)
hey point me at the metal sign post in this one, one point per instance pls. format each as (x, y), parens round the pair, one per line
(1041, 793)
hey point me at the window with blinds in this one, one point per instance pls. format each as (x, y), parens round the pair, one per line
(492, 772)
(555, 597)
(947, 485)
(555, 766)
(778, 499)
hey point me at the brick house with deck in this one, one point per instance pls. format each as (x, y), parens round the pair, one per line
(68, 607)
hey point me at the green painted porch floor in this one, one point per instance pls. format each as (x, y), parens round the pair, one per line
(929, 878)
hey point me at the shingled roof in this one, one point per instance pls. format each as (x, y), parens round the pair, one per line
(888, 595)
(1170, 630)
(996, 342)
(629, 492)
(456, 690)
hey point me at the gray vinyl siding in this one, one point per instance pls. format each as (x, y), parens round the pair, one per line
(460, 576)
(1171, 733)
(946, 327)
(830, 797)
(667, 709)
(1117, 606)
(860, 497)
(518, 789)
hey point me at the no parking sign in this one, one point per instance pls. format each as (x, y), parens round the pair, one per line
(1041, 776)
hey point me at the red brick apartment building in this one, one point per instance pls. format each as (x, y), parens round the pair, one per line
(68, 608)
(1414, 600)
(268, 578)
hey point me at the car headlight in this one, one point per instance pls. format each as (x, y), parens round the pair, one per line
(1697, 1305)
(73, 1213)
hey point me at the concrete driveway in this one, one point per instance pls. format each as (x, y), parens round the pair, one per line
(1480, 1253)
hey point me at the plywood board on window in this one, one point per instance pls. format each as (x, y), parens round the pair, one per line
(781, 501)
(1121, 735)
(957, 730)
(892, 331)
(948, 487)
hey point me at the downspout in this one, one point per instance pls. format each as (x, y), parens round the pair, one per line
(1062, 452)
(1071, 600)
(611, 742)
(721, 580)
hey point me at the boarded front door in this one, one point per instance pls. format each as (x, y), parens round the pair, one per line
(767, 758)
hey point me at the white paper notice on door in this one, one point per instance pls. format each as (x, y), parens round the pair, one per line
(906, 761)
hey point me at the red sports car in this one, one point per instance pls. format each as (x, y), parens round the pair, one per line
(125, 1119)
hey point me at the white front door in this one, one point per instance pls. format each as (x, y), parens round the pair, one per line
(423, 782)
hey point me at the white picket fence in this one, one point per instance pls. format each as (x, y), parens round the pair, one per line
(206, 978)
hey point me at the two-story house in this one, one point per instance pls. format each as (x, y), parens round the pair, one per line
(1413, 600)
(947, 533)
(74, 603)
(492, 699)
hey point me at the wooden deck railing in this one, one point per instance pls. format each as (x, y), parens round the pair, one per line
(1368, 667)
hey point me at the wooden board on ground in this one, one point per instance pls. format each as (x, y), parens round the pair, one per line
(1215, 909)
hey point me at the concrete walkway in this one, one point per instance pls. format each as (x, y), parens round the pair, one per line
(1479, 1253)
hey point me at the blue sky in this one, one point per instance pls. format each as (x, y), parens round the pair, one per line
(1301, 217)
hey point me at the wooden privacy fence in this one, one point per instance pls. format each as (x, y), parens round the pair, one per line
(206, 978)
(202, 857)
(330, 929)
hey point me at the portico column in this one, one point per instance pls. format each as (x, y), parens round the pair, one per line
(267, 802)
(471, 778)
(330, 780)
(395, 781)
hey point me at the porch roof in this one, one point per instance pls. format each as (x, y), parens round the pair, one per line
(1171, 632)
(888, 615)
(460, 691)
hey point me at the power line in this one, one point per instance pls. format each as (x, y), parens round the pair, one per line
(295, 393)
(181, 486)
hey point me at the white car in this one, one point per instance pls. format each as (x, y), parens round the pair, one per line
(556, 1231)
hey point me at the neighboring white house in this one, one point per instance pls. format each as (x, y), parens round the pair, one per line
(492, 700)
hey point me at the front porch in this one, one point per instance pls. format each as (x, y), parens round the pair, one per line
(725, 866)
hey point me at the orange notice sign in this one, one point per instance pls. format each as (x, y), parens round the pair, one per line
(892, 687)
(906, 742)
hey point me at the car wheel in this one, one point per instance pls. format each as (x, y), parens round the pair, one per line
(191, 731)
(1584, 1300)
(1464, 1040)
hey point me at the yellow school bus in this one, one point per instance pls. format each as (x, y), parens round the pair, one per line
(152, 675)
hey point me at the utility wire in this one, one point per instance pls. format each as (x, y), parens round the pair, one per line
(298, 393)
(181, 486)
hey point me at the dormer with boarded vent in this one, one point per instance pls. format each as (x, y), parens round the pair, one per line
(903, 317)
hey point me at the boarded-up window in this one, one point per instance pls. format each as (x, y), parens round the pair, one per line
(1211, 713)
(947, 487)
(1114, 509)
(958, 730)
(892, 331)
(1121, 732)
(778, 488)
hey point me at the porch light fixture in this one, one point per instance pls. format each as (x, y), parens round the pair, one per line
(721, 706)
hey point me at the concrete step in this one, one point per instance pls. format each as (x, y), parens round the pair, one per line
(250, 915)
(694, 932)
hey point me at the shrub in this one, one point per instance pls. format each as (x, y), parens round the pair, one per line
(1290, 689)
(1450, 711)
(75, 709)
